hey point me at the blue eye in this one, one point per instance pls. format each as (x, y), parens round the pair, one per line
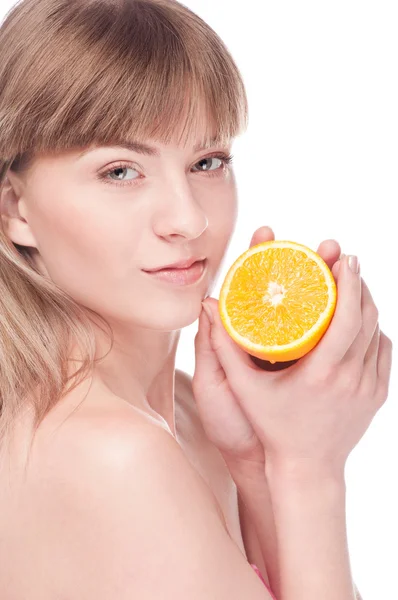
(226, 159)
(210, 158)
(120, 168)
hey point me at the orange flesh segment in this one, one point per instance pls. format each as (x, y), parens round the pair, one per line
(276, 296)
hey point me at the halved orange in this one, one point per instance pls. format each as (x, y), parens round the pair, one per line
(277, 300)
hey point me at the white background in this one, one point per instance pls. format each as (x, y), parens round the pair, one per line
(319, 161)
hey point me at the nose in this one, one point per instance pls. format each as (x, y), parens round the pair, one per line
(179, 213)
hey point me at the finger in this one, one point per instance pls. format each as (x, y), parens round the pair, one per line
(329, 251)
(207, 365)
(336, 267)
(369, 375)
(370, 317)
(384, 362)
(209, 382)
(346, 322)
(231, 356)
(371, 356)
(262, 234)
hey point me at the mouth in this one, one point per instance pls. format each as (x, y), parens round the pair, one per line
(181, 276)
(182, 264)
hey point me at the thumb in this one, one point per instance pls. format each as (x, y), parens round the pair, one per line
(232, 358)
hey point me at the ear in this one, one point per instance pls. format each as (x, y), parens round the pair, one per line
(13, 211)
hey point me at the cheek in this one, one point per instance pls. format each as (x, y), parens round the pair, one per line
(84, 251)
(222, 215)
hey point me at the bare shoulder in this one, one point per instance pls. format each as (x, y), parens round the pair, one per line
(134, 517)
(101, 438)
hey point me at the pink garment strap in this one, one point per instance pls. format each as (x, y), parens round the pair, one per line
(262, 579)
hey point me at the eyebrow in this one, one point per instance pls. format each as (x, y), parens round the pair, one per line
(141, 148)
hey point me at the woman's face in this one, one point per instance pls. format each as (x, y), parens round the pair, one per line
(100, 218)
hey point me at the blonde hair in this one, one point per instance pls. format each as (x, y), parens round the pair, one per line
(74, 73)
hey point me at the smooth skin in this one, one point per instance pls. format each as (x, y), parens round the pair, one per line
(224, 420)
(117, 501)
(93, 233)
(134, 516)
(298, 427)
(318, 409)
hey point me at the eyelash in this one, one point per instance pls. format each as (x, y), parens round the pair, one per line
(102, 176)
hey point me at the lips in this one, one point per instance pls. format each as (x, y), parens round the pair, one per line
(179, 268)
(182, 264)
(181, 276)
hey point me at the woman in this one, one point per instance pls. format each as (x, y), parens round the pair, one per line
(120, 476)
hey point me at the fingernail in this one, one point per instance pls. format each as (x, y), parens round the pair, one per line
(353, 263)
(208, 312)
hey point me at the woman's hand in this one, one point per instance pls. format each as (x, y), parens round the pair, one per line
(317, 410)
(226, 423)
